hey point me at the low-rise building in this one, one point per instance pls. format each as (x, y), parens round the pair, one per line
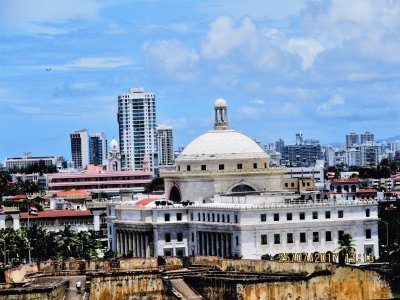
(95, 179)
(56, 220)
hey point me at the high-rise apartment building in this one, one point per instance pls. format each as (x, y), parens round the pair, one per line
(137, 129)
(97, 149)
(303, 153)
(352, 139)
(369, 155)
(367, 137)
(165, 145)
(80, 148)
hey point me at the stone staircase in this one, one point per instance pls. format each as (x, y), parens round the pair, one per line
(177, 284)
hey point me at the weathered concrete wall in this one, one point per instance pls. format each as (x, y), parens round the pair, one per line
(135, 285)
(18, 274)
(53, 290)
(265, 266)
(345, 283)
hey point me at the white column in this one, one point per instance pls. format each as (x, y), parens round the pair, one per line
(117, 249)
(146, 237)
(134, 244)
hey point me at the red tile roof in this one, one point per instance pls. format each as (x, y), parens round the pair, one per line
(348, 180)
(57, 214)
(18, 197)
(146, 201)
(367, 191)
(73, 192)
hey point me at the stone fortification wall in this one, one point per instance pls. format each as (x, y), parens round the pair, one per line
(324, 281)
(344, 283)
(269, 266)
(76, 267)
(41, 289)
(134, 285)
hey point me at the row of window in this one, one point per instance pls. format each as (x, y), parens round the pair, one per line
(179, 237)
(303, 237)
(60, 223)
(221, 167)
(302, 215)
(210, 217)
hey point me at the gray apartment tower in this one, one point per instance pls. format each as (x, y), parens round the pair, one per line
(165, 146)
(137, 129)
(98, 149)
(80, 148)
(352, 139)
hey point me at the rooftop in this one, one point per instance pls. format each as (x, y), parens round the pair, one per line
(57, 214)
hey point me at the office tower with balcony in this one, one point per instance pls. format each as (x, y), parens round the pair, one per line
(137, 129)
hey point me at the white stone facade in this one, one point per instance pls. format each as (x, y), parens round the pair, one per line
(223, 229)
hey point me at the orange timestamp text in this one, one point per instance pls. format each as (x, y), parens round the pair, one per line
(326, 257)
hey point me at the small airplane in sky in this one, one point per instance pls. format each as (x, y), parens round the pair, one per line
(48, 69)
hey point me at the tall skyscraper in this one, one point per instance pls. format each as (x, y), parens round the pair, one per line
(165, 145)
(97, 149)
(80, 148)
(367, 137)
(352, 139)
(137, 129)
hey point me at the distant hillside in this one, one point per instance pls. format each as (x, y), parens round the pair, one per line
(391, 139)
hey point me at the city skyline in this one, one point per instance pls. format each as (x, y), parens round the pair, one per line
(276, 69)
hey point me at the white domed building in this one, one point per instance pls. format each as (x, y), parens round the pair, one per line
(221, 161)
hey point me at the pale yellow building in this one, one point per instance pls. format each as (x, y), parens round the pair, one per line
(221, 161)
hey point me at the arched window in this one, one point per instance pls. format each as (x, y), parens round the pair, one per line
(353, 188)
(339, 189)
(175, 194)
(242, 188)
(346, 188)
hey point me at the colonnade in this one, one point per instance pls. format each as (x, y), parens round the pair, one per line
(214, 243)
(137, 242)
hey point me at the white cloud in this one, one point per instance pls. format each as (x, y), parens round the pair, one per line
(115, 28)
(95, 63)
(224, 36)
(262, 48)
(41, 16)
(333, 107)
(258, 101)
(306, 48)
(366, 27)
(172, 59)
(30, 110)
(253, 110)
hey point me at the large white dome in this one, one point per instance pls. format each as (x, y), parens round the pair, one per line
(222, 144)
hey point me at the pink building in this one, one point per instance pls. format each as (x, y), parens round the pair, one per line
(95, 178)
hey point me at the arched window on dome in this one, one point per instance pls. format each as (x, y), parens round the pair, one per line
(242, 188)
(175, 194)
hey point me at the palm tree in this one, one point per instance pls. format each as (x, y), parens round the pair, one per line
(346, 247)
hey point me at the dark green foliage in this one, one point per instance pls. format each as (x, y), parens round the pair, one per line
(40, 168)
(157, 184)
(47, 245)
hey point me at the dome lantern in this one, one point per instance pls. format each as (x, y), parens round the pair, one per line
(221, 114)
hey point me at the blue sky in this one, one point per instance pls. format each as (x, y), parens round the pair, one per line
(322, 67)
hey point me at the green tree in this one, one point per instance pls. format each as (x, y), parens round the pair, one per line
(346, 247)
(157, 184)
